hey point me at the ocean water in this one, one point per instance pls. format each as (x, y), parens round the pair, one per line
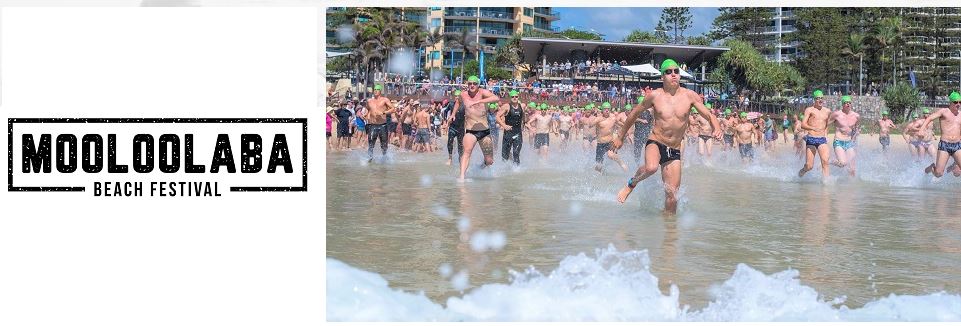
(750, 242)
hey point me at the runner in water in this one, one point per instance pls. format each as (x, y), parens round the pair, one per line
(604, 128)
(511, 119)
(747, 134)
(475, 122)
(642, 129)
(564, 124)
(815, 121)
(455, 129)
(846, 123)
(541, 123)
(376, 116)
(705, 141)
(422, 123)
(884, 130)
(799, 134)
(950, 144)
(671, 105)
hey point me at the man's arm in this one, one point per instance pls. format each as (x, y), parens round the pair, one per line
(489, 97)
(804, 121)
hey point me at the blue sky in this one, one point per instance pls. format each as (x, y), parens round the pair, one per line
(616, 23)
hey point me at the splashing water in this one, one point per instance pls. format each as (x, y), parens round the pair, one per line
(616, 286)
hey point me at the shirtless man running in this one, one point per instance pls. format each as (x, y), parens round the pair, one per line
(950, 144)
(672, 106)
(846, 123)
(541, 124)
(604, 127)
(746, 135)
(705, 141)
(564, 124)
(816, 122)
(475, 101)
(376, 116)
(885, 125)
(422, 122)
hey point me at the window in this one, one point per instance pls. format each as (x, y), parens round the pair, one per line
(435, 22)
(435, 55)
(528, 12)
(434, 8)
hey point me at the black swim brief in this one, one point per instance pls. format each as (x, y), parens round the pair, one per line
(479, 134)
(602, 149)
(667, 153)
(705, 137)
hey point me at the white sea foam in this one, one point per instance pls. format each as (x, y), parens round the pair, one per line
(616, 286)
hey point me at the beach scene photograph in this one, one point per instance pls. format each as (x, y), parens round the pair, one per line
(642, 164)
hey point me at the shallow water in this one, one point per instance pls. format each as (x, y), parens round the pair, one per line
(890, 230)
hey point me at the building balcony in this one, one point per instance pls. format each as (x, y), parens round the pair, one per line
(789, 44)
(460, 14)
(767, 29)
(484, 31)
(547, 29)
(497, 15)
(551, 15)
(787, 13)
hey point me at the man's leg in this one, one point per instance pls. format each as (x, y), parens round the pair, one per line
(939, 164)
(371, 139)
(824, 152)
(671, 175)
(506, 149)
(487, 148)
(709, 144)
(851, 156)
(451, 138)
(957, 164)
(808, 162)
(384, 135)
(839, 154)
(651, 158)
(469, 141)
(517, 144)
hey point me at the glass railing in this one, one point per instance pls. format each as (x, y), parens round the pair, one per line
(787, 13)
(786, 29)
(496, 14)
(461, 13)
(496, 31)
(458, 29)
(547, 28)
(766, 29)
(551, 13)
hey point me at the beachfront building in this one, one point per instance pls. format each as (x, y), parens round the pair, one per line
(490, 27)
(783, 23)
(932, 47)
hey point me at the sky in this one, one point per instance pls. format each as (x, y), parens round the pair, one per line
(616, 23)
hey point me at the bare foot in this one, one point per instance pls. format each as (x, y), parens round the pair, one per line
(624, 166)
(929, 169)
(957, 171)
(801, 173)
(622, 195)
(598, 168)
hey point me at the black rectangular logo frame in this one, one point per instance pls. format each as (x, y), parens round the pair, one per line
(12, 121)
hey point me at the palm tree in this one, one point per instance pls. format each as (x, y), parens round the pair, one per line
(465, 41)
(886, 34)
(430, 39)
(855, 48)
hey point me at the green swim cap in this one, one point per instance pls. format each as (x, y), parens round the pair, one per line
(532, 104)
(915, 115)
(378, 87)
(744, 115)
(473, 79)
(693, 110)
(606, 105)
(954, 97)
(640, 99)
(818, 93)
(926, 111)
(512, 93)
(667, 64)
(627, 106)
(708, 105)
(845, 99)
(492, 105)
(457, 93)
(884, 113)
(543, 106)
(727, 111)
